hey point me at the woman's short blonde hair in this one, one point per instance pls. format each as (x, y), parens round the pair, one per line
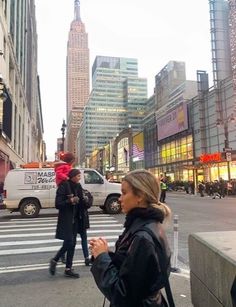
(144, 183)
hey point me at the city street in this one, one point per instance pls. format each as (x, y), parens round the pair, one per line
(26, 245)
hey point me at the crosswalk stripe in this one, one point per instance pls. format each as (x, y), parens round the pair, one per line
(46, 218)
(40, 220)
(33, 236)
(34, 267)
(48, 228)
(39, 250)
(51, 224)
(36, 242)
(46, 234)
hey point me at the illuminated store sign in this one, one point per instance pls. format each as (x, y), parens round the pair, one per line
(173, 122)
(206, 158)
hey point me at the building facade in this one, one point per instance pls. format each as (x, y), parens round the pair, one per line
(192, 138)
(117, 101)
(167, 135)
(21, 123)
(77, 77)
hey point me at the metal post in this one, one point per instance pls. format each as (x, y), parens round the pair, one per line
(195, 181)
(63, 128)
(226, 149)
(174, 267)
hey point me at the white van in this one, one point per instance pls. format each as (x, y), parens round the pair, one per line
(29, 190)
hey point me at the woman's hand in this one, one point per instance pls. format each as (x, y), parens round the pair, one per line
(98, 246)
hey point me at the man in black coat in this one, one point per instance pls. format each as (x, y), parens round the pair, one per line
(72, 219)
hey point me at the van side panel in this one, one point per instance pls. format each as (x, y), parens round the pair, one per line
(29, 183)
(21, 184)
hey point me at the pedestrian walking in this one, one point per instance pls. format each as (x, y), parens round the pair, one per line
(72, 219)
(139, 268)
(163, 186)
(222, 187)
(186, 187)
(216, 190)
(191, 184)
(201, 188)
(62, 168)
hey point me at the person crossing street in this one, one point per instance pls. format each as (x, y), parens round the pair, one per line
(71, 220)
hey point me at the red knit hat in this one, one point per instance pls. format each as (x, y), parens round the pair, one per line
(67, 157)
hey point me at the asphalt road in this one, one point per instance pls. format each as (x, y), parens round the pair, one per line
(27, 245)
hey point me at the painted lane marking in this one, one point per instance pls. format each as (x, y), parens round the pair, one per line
(40, 249)
(46, 234)
(36, 242)
(34, 267)
(40, 220)
(48, 228)
(51, 224)
(45, 218)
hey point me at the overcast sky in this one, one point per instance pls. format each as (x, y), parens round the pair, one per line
(153, 31)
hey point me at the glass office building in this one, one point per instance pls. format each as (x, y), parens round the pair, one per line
(117, 101)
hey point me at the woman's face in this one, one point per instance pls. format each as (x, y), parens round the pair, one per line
(127, 199)
(76, 178)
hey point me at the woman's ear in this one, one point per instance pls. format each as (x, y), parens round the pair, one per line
(141, 200)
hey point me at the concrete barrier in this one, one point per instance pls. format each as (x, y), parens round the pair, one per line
(212, 258)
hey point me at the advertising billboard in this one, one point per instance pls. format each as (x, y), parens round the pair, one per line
(138, 147)
(175, 121)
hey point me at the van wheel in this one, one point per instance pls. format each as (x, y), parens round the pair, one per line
(30, 208)
(112, 205)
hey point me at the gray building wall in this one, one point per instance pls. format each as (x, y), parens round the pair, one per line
(21, 138)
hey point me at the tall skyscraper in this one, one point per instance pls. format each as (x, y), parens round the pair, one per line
(232, 32)
(117, 101)
(77, 77)
(220, 41)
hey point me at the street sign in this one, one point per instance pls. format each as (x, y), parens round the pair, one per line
(227, 149)
(228, 156)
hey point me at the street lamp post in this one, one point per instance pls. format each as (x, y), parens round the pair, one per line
(227, 150)
(63, 128)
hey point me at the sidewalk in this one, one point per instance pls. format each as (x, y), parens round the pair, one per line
(180, 286)
(46, 291)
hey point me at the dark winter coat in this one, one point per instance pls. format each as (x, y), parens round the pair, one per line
(68, 213)
(131, 276)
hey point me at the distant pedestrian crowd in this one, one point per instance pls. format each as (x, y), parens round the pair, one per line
(217, 188)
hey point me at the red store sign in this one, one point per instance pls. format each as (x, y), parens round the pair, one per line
(206, 158)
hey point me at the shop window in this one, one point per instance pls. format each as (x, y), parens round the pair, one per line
(190, 154)
(233, 170)
(183, 141)
(223, 171)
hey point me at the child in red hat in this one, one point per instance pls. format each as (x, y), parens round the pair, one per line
(63, 167)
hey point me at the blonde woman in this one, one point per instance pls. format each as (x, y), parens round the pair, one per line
(135, 273)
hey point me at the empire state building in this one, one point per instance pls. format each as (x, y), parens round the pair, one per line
(77, 77)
